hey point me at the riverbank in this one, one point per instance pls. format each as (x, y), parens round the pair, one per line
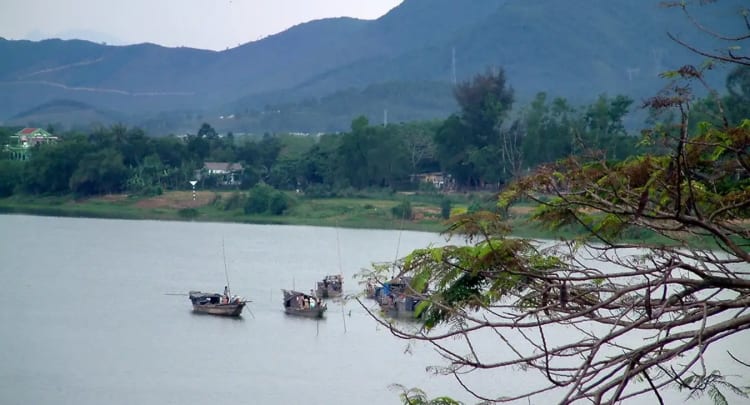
(358, 212)
(372, 212)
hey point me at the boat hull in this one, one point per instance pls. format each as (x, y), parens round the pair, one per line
(328, 293)
(216, 304)
(330, 287)
(307, 313)
(220, 309)
(301, 304)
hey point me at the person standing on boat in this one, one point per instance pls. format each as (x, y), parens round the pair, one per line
(226, 294)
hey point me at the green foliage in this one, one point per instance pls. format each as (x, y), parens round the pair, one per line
(445, 208)
(403, 210)
(233, 202)
(207, 131)
(51, 167)
(555, 129)
(279, 203)
(188, 213)
(11, 173)
(99, 173)
(359, 124)
(262, 199)
(415, 396)
(258, 199)
(466, 144)
(711, 385)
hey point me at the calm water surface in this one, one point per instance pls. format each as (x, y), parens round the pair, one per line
(86, 316)
(87, 319)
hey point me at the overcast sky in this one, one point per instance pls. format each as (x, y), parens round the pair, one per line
(204, 24)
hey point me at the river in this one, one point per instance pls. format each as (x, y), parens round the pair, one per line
(90, 315)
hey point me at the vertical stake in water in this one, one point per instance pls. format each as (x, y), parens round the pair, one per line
(341, 271)
(224, 255)
(398, 243)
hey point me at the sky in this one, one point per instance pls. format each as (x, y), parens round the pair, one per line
(203, 24)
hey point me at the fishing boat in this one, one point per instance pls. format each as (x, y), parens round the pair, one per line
(372, 286)
(301, 304)
(397, 299)
(331, 286)
(216, 304)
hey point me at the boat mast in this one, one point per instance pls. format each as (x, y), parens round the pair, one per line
(226, 272)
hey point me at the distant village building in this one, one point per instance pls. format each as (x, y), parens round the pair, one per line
(439, 180)
(230, 174)
(23, 142)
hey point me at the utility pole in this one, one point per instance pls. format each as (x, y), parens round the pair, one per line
(453, 65)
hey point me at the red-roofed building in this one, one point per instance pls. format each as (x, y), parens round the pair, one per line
(24, 140)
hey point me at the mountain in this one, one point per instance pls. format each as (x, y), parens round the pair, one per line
(324, 73)
(66, 114)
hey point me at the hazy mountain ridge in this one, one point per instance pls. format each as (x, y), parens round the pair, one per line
(576, 49)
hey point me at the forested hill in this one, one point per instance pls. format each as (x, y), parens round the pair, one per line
(574, 48)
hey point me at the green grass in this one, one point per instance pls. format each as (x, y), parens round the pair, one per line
(349, 212)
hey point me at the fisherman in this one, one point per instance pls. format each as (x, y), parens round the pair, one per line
(226, 294)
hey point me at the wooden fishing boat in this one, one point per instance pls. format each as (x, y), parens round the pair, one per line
(301, 304)
(216, 304)
(397, 299)
(331, 286)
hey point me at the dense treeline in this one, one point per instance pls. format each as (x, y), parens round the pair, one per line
(484, 145)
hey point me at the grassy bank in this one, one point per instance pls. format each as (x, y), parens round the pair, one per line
(373, 212)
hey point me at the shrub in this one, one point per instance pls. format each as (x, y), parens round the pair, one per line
(279, 203)
(445, 208)
(403, 210)
(233, 202)
(188, 213)
(259, 199)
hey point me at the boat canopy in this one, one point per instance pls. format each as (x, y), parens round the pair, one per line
(288, 295)
(198, 295)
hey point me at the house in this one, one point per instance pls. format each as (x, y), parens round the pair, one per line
(24, 140)
(439, 180)
(229, 174)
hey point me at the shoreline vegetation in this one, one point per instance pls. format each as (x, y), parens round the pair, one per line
(366, 212)
(360, 211)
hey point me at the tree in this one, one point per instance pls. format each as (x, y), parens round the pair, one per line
(654, 276)
(372, 156)
(738, 100)
(551, 130)
(604, 123)
(453, 154)
(51, 166)
(10, 176)
(419, 142)
(467, 143)
(485, 99)
(99, 172)
(198, 147)
(259, 199)
(207, 131)
(317, 165)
